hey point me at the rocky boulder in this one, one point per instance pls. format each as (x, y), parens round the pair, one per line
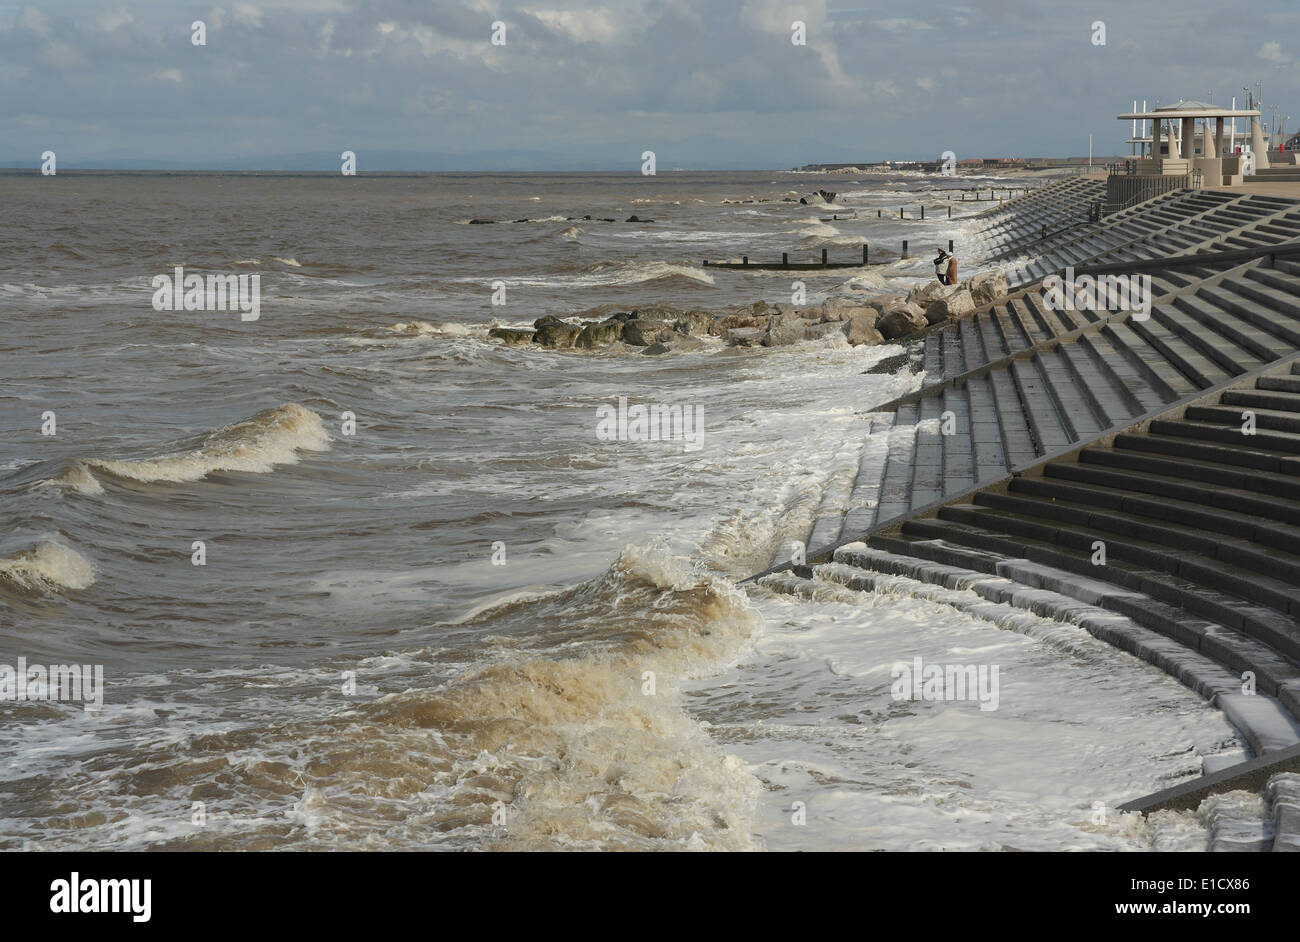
(512, 337)
(657, 312)
(987, 287)
(598, 334)
(902, 320)
(557, 334)
(827, 329)
(745, 336)
(861, 329)
(843, 309)
(643, 333)
(782, 333)
(694, 323)
(924, 294)
(954, 301)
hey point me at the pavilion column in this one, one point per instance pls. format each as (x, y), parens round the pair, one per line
(1218, 138)
(1188, 148)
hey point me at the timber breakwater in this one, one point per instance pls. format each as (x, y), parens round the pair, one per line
(1130, 468)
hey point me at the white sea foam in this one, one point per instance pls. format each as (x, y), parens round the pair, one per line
(49, 568)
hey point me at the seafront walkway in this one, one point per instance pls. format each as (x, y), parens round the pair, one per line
(1133, 472)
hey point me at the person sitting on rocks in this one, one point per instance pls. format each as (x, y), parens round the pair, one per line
(945, 268)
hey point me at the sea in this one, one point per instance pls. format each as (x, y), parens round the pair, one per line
(360, 577)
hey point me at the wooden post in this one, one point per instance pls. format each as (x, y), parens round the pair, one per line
(922, 210)
(864, 254)
(900, 212)
(823, 256)
(904, 248)
(950, 212)
(950, 246)
(744, 259)
(879, 213)
(785, 258)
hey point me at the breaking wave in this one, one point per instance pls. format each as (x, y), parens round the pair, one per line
(48, 569)
(254, 445)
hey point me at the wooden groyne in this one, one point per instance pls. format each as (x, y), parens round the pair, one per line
(786, 265)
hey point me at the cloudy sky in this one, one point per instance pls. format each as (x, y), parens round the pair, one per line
(580, 84)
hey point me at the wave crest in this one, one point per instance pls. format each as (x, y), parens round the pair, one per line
(48, 569)
(255, 445)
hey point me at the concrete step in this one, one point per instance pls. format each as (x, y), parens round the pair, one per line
(1139, 388)
(1153, 630)
(1283, 796)
(1168, 439)
(1050, 427)
(1177, 595)
(1227, 415)
(1270, 440)
(1210, 339)
(1165, 548)
(1151, 366)
(1187, 527)
(865, 495)
(1202, 483)
(1236, 822)
(1141, 494)
(1273, 400)
(1181, 354)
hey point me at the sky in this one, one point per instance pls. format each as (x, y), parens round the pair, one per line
(580, 85)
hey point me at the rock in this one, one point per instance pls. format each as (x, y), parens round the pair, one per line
(643, 333)
(924, 294)
(512, 337)
(546, 319)
(782, 333)
(846, 311)
(723, 324)
(759, 307)
(599, 334)
(632, 218)
(861, 329)
(953, 302)
(481, 222)
(840, 309)
(830, 328)
(745, 336)
(684, 344)
(559, 335)
(657, 312)
(902, 321)
(987, 287)
(694, 323)
(656, 348)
